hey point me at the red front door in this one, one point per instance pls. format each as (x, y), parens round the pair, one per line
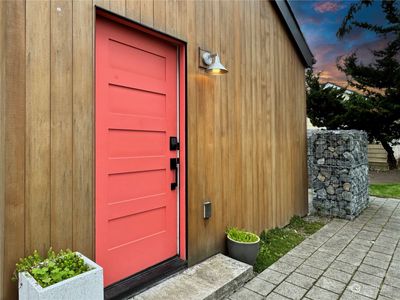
(136, 114)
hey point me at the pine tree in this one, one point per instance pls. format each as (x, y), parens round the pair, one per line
(377, 111)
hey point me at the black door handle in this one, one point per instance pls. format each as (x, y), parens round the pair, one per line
(174, 162)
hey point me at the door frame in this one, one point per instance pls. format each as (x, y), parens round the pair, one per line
(181, 117)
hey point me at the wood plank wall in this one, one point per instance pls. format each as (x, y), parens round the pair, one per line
(14, 210)
(246, 130)
(2, 137)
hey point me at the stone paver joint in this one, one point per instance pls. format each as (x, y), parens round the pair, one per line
(347, 260)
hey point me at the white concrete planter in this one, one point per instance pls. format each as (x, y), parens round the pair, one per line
(88, 285)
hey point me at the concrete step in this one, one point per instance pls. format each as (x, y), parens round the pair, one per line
(215, 278)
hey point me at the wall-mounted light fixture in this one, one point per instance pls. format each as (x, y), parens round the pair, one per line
(211, 63)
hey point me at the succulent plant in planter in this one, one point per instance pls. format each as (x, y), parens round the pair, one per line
(63, 275)
(242, 245)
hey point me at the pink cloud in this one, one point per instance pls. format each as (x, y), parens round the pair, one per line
(327, 54)
(327, 6)
(330, 73)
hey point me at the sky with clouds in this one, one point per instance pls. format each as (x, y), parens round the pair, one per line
(319, 22)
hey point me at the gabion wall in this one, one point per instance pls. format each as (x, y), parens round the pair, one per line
(339, 172)
(310, 154)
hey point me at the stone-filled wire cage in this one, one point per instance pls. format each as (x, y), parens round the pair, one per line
(338, 162)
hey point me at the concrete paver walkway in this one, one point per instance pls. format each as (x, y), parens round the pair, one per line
(357, 259)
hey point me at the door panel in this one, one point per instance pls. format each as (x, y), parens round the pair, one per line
(146, 102)
(136, 113)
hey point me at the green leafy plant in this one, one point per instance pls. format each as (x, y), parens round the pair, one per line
(241, 235)
(54, 268)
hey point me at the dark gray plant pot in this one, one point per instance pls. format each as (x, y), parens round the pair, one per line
(244, 252)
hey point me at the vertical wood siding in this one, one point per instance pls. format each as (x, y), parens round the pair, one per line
(246, 130)
(82, 128)
(15, 112)
(37, 127)
(61, 158)
(2, 136)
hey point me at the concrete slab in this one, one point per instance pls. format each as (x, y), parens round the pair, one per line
(215, 278)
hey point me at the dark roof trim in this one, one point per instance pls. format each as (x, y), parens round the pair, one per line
(285, 11)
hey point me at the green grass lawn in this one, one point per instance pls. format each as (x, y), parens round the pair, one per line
(385, 190)
(277, 242)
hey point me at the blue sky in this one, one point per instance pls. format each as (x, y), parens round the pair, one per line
(319, 21)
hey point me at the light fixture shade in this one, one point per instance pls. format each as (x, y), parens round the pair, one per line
(216, 68)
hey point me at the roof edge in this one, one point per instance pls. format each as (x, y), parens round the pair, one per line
(287, 15)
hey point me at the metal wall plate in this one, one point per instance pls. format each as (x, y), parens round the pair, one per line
(201, 62)
(207, 210)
